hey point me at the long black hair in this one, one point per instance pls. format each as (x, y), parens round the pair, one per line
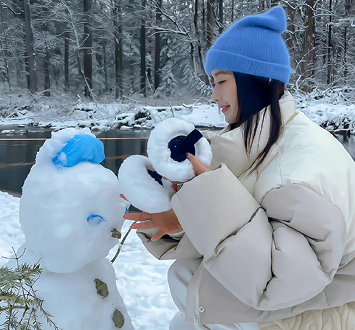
(254, 94)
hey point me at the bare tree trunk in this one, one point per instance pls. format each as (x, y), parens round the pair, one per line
(346, 14)
(232, 11)
(19, 71)
(203, 19)
(143, 88)
(30, 54)
(199, 47)
(88, 38)
(196, 21)
(157, 47)
(345, 53)
(78, 47)
(220, 16)
(262, 4)
(329, 60)
(47, 55)
(118, 49)
(4, 48)
(291, 41)
(47, 81)
(308, 53)
(66, 60)
(105, 65)
(209, 28)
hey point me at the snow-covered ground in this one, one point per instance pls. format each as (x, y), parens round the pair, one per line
(141, 279)
(332, 109)
(101, 116)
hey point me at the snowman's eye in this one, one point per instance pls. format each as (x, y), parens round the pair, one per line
(94, 219)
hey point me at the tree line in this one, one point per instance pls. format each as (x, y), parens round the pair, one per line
(157, 47)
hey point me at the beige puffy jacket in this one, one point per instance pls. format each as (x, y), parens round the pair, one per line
(276, 243)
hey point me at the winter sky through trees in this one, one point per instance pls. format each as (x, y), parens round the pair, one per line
(119, 48)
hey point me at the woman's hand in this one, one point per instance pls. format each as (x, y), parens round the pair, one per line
(166, 222)
(198, 167)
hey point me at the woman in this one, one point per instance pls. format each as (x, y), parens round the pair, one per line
(267, 238)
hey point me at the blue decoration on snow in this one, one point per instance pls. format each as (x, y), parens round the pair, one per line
(80, 148)
(95, 219)
(127, 208)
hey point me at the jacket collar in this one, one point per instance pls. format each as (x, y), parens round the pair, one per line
(228, 146)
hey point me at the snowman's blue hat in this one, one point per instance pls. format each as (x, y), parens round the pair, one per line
(80, 148)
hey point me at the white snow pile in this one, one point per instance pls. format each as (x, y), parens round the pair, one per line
(62, 112)
(70, 217)
(10, 229)
(139, 186)
(333, 109)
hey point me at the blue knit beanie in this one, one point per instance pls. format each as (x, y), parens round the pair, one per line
(253, 46)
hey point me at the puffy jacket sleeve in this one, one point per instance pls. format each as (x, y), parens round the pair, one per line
(168, 247)
(272, 256)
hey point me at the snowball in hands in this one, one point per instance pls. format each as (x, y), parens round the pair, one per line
(141, 179)
(160, 155)
(141, 189)
(67, 213)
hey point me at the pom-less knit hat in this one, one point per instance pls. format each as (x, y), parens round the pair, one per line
(253, 46)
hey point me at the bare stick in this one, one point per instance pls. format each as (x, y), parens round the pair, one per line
(121, 244)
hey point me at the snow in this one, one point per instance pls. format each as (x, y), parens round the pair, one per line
(332, 109)
(140, 188)
(160, 155)
(72, 298)
(10, 228)
(45, 112)
(140, 278)
(328, 108)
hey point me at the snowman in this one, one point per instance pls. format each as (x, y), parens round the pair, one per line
(71, 215)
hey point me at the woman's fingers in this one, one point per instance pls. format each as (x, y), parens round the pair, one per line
(159, 234)
(124, 197)
(165, 222)
(198, 167)
(143, 225)
(141, 216)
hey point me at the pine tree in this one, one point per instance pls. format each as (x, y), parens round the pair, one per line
(20, 308)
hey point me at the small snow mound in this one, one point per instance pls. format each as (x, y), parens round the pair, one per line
(141, 188)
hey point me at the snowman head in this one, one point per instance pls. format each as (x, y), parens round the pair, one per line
(70, 203)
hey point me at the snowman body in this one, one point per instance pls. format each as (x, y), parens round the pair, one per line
(69, 216)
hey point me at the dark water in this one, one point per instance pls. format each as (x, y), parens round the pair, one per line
(17, 157)
(348, 142)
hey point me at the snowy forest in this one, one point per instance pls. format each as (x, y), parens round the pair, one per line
(112, 70)
(118, 48)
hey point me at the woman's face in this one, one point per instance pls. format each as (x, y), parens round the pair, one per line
(225, 94)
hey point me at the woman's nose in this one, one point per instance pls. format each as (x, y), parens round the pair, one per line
(214, 96)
